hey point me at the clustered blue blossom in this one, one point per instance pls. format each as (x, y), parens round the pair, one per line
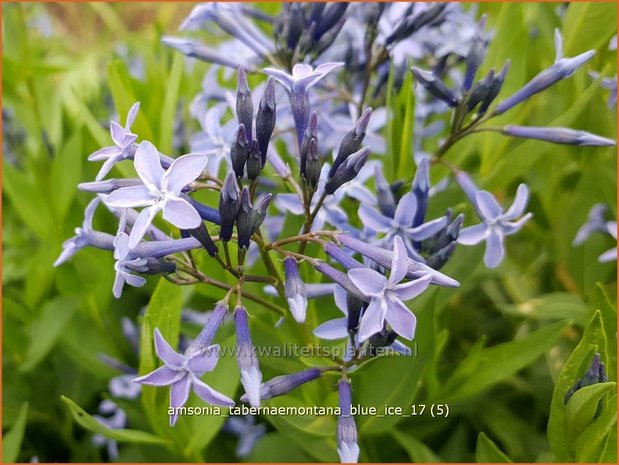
(325, 73)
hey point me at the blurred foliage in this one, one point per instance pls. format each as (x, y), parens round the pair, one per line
(501, 351)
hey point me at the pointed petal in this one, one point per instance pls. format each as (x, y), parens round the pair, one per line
(133, 112)
(608, 256)
(290, 203)
(104, 153)
(117, 132)
(179, 392)
(339, 295)
(400, 318)
(373, 219)
(108, 165)
(162, 376)
(494, 249)
(119, 283)
(412, 289)
(148, 165)
(204, 360)
(283, 78)
(142, 223)
(166, 353)
(399, 262)
(373, 319)
(301, 71)
(473, 234)
(425, 230)
(181, 214)
(370, 282)
(130, 197)
(405, 211)
(332, 329)
(520, 203)
(487, 204)
(509, 228)
(182, 171)
(210, 395)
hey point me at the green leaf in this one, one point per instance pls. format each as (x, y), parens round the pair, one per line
(582, 407)
(487, 451)
(593, 340)
(121, 435)
(593, 443)
(553, 306)
(598, 300)
(276, 448)
(65, 174)
(168, 111)
(588, 25)
(405, 164)
(417, 451)
(46, 329)
(12, 439)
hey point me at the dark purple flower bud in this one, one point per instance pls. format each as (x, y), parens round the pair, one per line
(346, 431)
(284, 384)
(260, 212)
(438, 259)
(352, 141)
(435, 86)
(244, 227)
(311, 132)
(564, 136)
(152, 266)
(340, 278)
(295, 290)
(313, 165)
(595, 374)
(413, 22)
(316, 11)
(251, 376)
(384, 194)
(330, 17)
(265, 118)
(254, 162)
(354, 307)
(244, 103)
(348, 170)
(229, 201)
(480, 91)
(239, 152)
(294, 25)
(495, 88)
(205, 239)
(326, 40)
(382, 339)
(561, 69)
(476, 54)
(421, 190)
(384, 257)
(206, 336)
(206, 213)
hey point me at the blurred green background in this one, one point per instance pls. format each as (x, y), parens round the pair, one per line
(493, 350)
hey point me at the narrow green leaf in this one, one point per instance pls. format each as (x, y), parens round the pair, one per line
(168, 111)
(488, 452)
(65, 174)
(12, 439)
(588, 25)
(417, 451)
(582, 408)
(121, 435)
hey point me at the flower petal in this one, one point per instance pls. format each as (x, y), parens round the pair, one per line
(104, 153)
(473, 234)
(181, 214)
(373, 319)
(117, 132)
(179, 392)
(210, 395)
(182, 171)
(399, 262)
(133, 112)
(520, 203)
(282, 77)
(290, 203)
(332, 329)
(405, 211)
(487, 204)
(119, 283)
(339, 295)
(130, 197)
(162, 376)
(412, 289)
(400, 318)
(495, 251)
(373, 219)
(166, 353)
(141, 225)
(369, 281)
(148, 165)
(509, 227)
(204, 360)
(608, 256)
(425, 230)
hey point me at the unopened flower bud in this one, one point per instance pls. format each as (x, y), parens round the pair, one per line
(310, 133)
(348, 170)
(244, 227)
(205, 239)
(313, 165)
(228, 206)
(251, 376)
(352, 141)
(244, 103)
(260, 212)
(294, 288)
(435, 86)
(239, 152)
(284, 384)
(265, 118)
(254, 162)
(346, 432)
(384, 194)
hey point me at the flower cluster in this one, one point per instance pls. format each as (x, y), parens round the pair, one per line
(303, 143)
